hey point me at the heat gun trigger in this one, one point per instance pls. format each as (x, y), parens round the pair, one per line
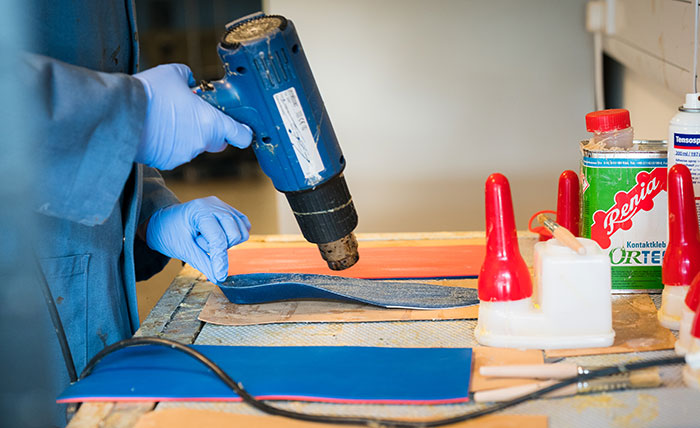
(205, 86)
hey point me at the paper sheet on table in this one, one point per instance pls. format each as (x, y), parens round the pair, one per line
(185, 418)
(218, 310)
(636, 326)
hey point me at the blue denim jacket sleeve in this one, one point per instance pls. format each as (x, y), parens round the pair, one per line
(155, 194)
(154, 197)
(89, 125)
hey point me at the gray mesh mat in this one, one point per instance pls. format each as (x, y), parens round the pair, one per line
(425, 334)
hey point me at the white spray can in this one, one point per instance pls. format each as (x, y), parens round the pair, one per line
(684, 140)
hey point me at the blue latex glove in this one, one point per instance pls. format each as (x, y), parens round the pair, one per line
(199, 232)
(179, 124)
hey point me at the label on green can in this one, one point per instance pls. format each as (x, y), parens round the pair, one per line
(624, 209)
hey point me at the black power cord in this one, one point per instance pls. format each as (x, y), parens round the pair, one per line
(344, 420)
(55, 320)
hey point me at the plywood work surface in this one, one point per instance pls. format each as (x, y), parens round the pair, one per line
(175, 316)
(182, 418)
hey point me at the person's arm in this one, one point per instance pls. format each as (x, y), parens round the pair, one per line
(88, 127)
(156, 196)
(92, 126)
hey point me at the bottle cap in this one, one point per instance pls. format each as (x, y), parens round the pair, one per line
(682, 259)
(504, 276)
(692, 101)
(607, 120)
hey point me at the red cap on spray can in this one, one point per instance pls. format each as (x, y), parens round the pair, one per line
(682, 259)
(504, 276)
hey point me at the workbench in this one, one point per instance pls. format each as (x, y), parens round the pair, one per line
(175, 317)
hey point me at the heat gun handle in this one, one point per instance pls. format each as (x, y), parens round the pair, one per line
(242, 106)
(222, 95)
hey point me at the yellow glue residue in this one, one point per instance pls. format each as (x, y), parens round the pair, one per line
(647, 410)
(605, 401)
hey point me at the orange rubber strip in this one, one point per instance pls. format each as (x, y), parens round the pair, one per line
(453, 261)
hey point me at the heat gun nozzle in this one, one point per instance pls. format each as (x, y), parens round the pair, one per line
(326, 216)
(340, 254)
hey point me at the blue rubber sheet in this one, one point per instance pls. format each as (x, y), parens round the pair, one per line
(258, 288)
(318, 373)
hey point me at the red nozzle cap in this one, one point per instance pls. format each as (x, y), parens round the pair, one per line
(504, 275)
(692, 299)
(682, 259)
(607, 120)
(569, 202)
(695, 326)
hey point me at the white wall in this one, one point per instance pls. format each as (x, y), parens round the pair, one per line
(651, 105)
(654, 38)
(654, 42)
(430, 97)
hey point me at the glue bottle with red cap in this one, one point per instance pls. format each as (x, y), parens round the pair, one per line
(691, 372)
(572, 307)
(681, 261)
(611, 128)
(692, 304)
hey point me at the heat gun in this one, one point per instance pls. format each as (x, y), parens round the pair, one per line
(268, 85)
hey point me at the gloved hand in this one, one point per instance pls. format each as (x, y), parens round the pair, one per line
(191, 230)
(179, 124)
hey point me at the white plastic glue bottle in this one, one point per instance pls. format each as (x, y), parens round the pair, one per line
(684, 140)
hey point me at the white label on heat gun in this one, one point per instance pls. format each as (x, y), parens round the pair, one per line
(299, 133)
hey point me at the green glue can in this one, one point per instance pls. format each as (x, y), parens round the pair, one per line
(624, 201)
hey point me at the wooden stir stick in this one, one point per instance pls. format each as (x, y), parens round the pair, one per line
(562, 234)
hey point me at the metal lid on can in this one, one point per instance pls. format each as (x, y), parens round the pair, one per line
(640, 149)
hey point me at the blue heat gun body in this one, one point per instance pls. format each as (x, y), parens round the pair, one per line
(268, 85)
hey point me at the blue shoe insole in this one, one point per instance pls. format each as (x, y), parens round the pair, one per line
(270, 287)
